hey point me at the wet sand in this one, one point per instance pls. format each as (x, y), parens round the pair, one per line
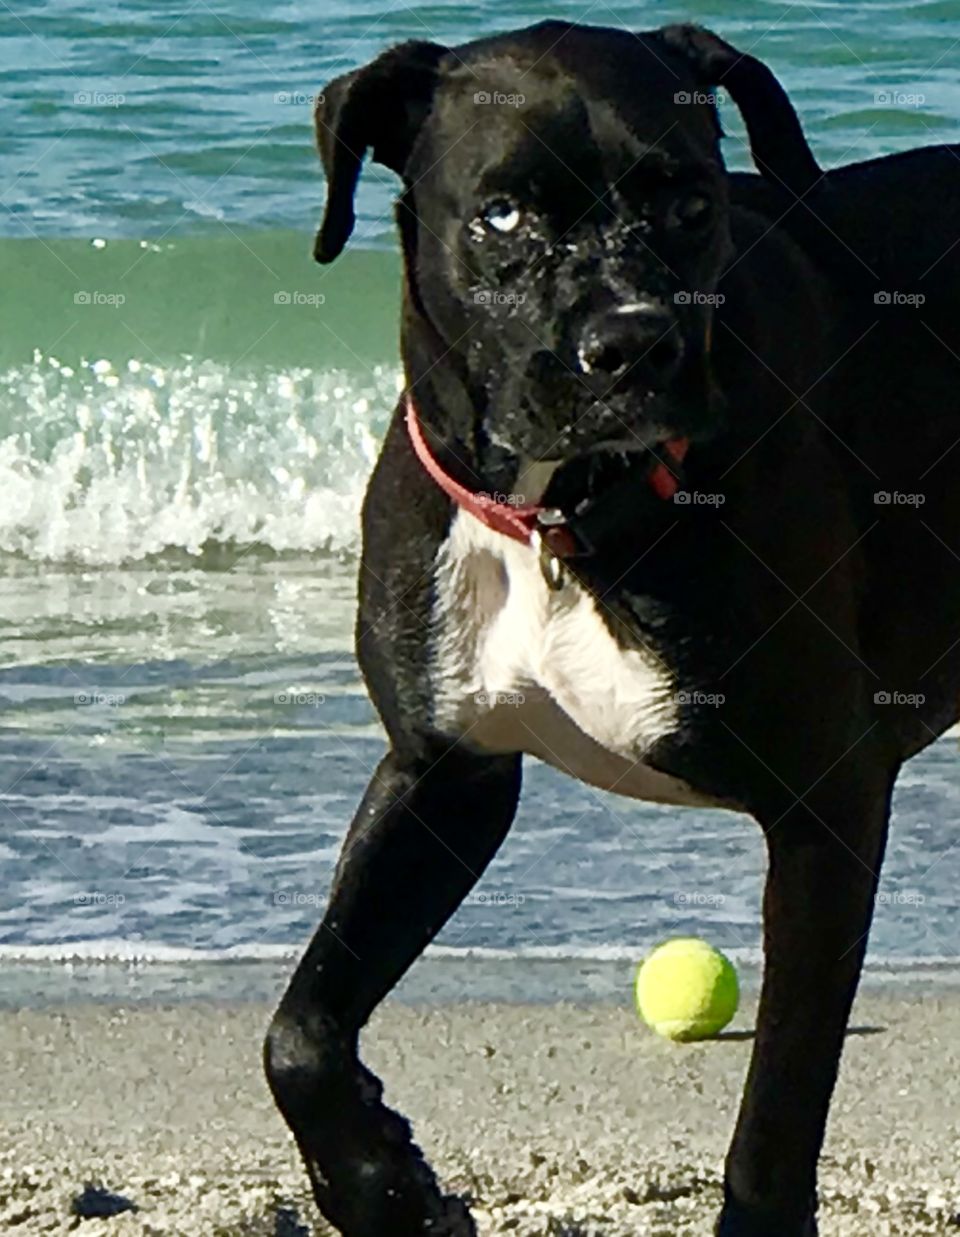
(560, 1121)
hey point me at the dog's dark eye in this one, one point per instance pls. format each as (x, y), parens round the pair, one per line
(501, 216)
(693, 211)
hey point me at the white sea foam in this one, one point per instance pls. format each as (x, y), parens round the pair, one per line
(107, 466)
(114, 951)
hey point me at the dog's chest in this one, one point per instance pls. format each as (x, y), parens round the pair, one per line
(519, 666)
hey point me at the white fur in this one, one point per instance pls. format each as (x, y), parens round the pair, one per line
(518, 666)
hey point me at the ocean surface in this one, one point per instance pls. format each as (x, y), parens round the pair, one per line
(188, 410)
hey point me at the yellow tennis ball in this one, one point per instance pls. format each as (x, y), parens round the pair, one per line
(687, 990)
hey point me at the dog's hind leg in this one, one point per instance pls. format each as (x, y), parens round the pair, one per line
(824, 861)
(424, 832)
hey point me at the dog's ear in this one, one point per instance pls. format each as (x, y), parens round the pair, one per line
(777, 144)
(379, 108)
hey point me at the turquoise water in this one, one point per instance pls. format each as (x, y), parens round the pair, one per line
(188, 410)
(141, 120)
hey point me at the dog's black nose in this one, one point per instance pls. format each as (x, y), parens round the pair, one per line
(639, 341)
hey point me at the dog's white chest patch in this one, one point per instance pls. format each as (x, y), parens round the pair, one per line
(519, 666)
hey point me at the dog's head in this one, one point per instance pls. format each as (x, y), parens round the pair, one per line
(564, 221)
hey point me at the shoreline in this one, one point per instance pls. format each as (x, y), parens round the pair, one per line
(557, 1119)
(439, 978)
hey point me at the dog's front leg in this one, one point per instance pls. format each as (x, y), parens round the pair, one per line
(823, 867)
(425, 830)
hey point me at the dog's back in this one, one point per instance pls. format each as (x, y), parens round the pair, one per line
(884, 232)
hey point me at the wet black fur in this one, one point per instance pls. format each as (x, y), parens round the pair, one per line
(799, 599)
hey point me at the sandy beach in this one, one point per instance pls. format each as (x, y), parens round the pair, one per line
(559, 1121)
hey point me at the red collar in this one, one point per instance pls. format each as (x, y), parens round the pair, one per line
(526, 522)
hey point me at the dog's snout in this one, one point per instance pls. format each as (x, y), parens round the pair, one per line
(642, 340)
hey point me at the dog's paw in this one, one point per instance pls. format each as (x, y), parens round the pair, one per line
(456, 1220)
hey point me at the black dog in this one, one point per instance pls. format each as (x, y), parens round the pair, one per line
(685, 384)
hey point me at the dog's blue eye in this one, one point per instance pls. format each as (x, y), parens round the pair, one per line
(502, 217)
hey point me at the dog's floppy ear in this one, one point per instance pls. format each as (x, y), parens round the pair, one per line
(777, 144)
(379, 108)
